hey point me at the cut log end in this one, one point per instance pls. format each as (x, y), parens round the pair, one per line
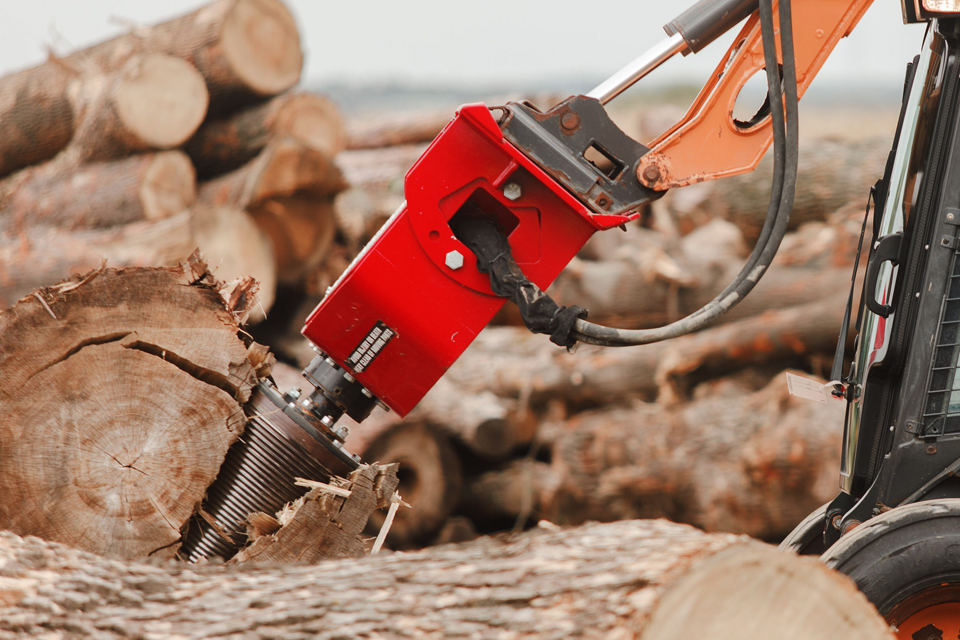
(169, 185)
(763, 593)
(313, 121)
(262, 45)
(163, 102)
(429, 480)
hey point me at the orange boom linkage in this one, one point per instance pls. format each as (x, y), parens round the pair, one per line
(708, 143)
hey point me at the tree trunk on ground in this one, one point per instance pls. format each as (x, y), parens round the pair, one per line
(102, 195)
(121, 394)
(429, 473)
(300, 229)
(233, 244)
(283, 168)
(745, 463)
(245, 49)
(650, 580)
(484, 422)
(517, 494)
(617, 292)
(36, 115)
(39, 257)
(511, 362)
(223, 145)
(153, 102)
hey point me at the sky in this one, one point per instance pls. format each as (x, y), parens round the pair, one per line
(443, 42)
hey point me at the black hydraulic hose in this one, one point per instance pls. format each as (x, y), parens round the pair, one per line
(782, 195)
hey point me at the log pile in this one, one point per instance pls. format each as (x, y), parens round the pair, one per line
(179, 135)
(272, 183)
(650, 580)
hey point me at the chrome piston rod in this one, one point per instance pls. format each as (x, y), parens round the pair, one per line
(641, 66)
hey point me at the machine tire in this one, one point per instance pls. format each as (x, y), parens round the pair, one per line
(807, 537)
(907, 562)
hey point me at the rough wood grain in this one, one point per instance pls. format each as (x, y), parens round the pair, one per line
(282, 168)
(512, 496)
(484, 422)
(754, 463)
(41, 256)
(224, 144)
(300, 228)
(596, 581)
(511, 362)
(321, 525)
(121, 394)
(396, 129)
(235, 247)
(98, 195)
(36, 115)
(429, 474)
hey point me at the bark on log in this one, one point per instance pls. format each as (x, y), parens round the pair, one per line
(223, 145)
(245, 49)
(375, 177)
(650, 580)
(754, 464)
(121, 394)
(42, 256)
(36, 115)
(361, 211)
(300, 229)
(387, 166)
(397, 129)
(484, 422)
(283, 168)
(512, 496)
(512, 362)
(100, 195)
(623, 294)
(231, 241)
(155, 101)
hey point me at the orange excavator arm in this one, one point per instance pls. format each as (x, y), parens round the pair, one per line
(708, 143)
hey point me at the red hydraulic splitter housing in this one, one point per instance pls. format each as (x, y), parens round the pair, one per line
(413, 300)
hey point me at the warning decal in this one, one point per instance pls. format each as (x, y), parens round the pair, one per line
(368, 349)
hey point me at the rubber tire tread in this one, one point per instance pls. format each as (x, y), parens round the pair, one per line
(901, 552)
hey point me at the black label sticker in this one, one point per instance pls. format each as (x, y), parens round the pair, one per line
(368, 349)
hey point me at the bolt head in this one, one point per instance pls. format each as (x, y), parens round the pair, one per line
(651, 173)
(454, 260)
(512, 191)
(570, 121)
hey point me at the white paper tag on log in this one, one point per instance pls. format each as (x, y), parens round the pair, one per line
(807, 388)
